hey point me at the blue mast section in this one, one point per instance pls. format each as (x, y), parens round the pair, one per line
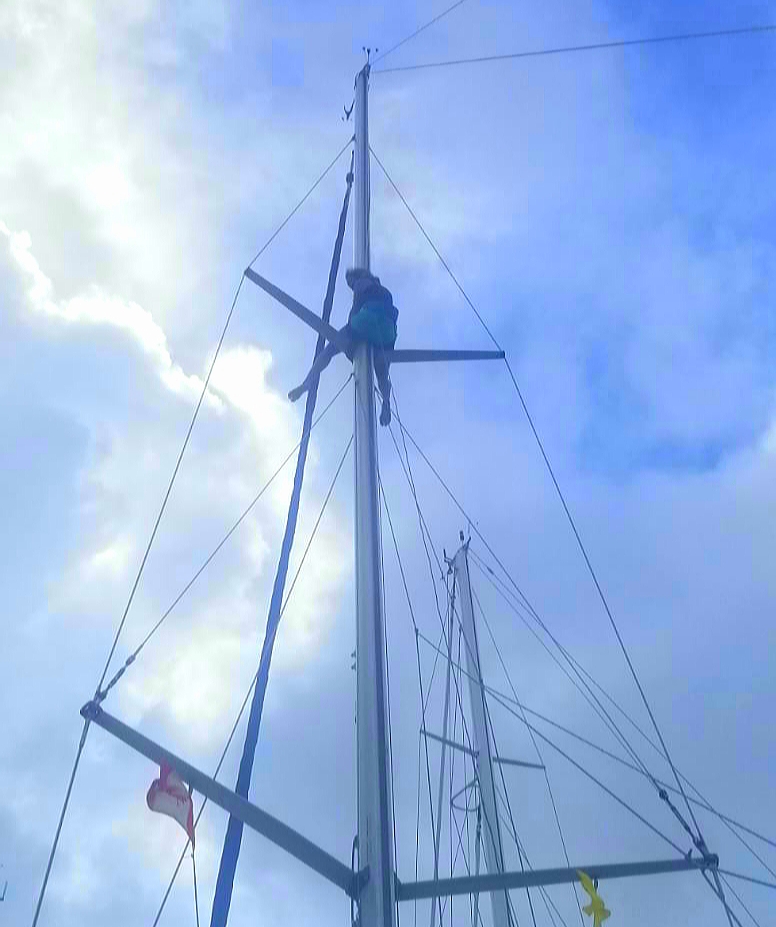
(231, 852)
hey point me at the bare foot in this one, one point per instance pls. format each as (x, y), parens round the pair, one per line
(294, 394)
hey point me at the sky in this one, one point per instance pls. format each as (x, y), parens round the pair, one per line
(610, 214)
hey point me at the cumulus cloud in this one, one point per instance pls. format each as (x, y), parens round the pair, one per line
(624, 265)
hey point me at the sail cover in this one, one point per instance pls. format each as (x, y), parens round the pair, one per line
(223, 894)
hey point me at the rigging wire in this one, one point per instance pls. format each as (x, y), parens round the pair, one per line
(584, 689)
(425, 534)
(560, 495)
(388, 691)
(256, 674)
(538, 753)
(422, 28)
(506, 702)
(423, 527)
(571, 760)
(740, 900)
(595, 46)
(697, 837)
(417, 651)
(473, 525)
(133, 656)
(122, 622)
(641, 770)
(747, 878)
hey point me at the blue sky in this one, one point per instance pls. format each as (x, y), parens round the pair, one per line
(612, 217)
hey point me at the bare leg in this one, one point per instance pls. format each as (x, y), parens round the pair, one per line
(321, 362)
(384, 385)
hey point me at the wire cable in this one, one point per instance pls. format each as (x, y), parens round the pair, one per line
(419, 30)
(162, 508)
(740, 900)
(699, 841)
(473, 526)
(595, 46)
(245, 701)
(133, 656)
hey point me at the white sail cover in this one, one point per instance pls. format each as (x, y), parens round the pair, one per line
(169, 795)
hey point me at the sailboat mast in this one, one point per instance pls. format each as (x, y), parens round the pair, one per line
(377, 903)
(481, 740)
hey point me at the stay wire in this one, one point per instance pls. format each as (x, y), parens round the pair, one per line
(594, 46)
(133, 590)
(256, 674)
(740, 900)
(536, 748)
(196, 896)
(407, 469)
(388, 691)
(422, 28)
(301, 202)
(219, 345)
(699, 841)
(747, 878)
(504, 702)
(417, 651)
(582, 687)
(135, 653)
(473, 526)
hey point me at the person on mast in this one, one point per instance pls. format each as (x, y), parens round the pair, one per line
(372, 318)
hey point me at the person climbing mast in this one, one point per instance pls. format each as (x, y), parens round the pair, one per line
(372, 319)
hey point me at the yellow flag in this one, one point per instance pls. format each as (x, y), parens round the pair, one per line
(596, 909)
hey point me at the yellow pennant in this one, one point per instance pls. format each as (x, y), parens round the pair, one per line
(596, 909)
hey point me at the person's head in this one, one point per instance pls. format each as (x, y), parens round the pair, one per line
(358, 275)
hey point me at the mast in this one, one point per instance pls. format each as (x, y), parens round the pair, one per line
(377, 902)
(481, 741)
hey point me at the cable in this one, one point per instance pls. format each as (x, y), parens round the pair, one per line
(538, 754)
(418, 31)
(740, 900)
(133, 656)
(596, 46)
(256, 675)
(532, 611)
(301, 202)
(504, 702)
(746, 878)
(155, 528)
(698, 840)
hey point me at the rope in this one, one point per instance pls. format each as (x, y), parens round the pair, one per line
(254, 679)
(418, 31)
(596, 46)
(133, 656)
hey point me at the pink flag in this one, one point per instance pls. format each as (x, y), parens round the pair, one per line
(168, 795)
